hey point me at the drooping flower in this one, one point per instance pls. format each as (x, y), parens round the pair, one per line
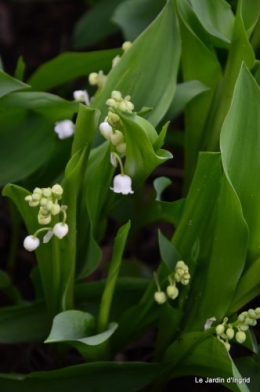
(160, 297)
(81, 96)
(30, 243)
(60, 230)
(64, 129)
(122, 184)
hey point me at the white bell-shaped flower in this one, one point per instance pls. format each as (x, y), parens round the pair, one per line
(81, 96)
(105, 130)
(64, 129)
(122, 184)
(30, 243)
(60, 230)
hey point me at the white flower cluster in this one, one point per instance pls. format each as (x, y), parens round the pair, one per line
(47, 199)
(226, 331)
(180, 275)
(109, 130)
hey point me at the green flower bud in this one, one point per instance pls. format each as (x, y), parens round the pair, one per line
(220, 329)
(28, 198)
(93, 78)
(55, 209)
(36, 196)
(251, 313)
(121, 147)
(116, 95)
(43, 211)
(240, 337)
(160, 297)
(243, 327)
(57, 190)
(230, 333)
(43, 202)
(37, 191)
(44, 220)
(116, 138)
(46, 192)
(126, 45)
(172, 291)
(33, 203)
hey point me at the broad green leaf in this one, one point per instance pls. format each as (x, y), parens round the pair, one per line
(169, 254)
(205, 69)
(78, 329)
(99, 171)
(99, 376)
(9, 84)
(199, 354)
(250, 12)
(239, 146)
(141, 159)
(154, 85)
(184, 93)
(24, 323)
(22, 317)
(225, 263)
(95, 24)
(27, 131)
(248, 287)
(217, 19)
(49, 105)
(133, 16)
(240, 52)
(69, 66)
(249, 369)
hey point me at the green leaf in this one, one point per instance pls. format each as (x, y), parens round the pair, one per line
(226, 260)
(95, 24)
(9, 84)
(69, 66)
(99, 376)
(169, 254)
(249, 369)
(239, 145)
(185, 92)
(27, 131)
(130, 76)
(191, 354)
(217, 19)
(250, 12)
(141, 159)
(133, 16)
(248, 287)
(24, 323)
(20, 68)
(206, 70)
(77, 329)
